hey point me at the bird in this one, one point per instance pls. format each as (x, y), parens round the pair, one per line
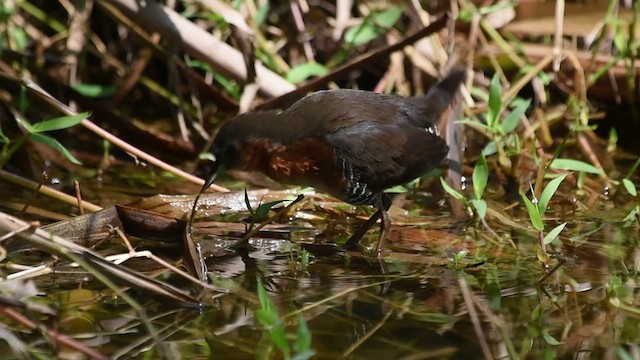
(351, 144)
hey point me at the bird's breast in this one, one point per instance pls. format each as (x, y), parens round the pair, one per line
(307, 162)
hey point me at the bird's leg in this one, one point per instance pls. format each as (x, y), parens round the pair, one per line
(385, 227)
(357, 236)
(383, 205)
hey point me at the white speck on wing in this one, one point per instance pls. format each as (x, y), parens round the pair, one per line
(432, 130)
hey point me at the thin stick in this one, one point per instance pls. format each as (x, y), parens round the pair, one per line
(29, 84)
(558, 36)
(46, 190)
(366, 337)
(76, 186)
(268, 221)
(352, 65)
(61, 339)
(473, 315)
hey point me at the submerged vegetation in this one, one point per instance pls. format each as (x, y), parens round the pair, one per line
(524, 245)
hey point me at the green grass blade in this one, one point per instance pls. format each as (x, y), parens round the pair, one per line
(451, 191)
(536, 219)
(480, 176)
(513, 119)
(548, 193)
(59, 123)
(553, 234)
(26, 125)
(480, 206)
(574, 165)
(49, 141)
(495, 101)
(630, 187)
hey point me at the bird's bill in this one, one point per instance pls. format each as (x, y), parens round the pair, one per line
(218, 169)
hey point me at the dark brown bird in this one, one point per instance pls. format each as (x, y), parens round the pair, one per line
(351, 144)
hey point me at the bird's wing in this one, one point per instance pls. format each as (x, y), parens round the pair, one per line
(387, 154)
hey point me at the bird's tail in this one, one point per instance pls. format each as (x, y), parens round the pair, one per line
(441, 95)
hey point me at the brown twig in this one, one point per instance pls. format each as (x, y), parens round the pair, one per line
(29, 84)
(61, 339)
(473, 315)
(266, 222)
(358, 62)
(199, 43)
(46, 190)
(76, 187)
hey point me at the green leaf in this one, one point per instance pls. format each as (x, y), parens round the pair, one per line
(266, 315)
(490, 149)
(263, 209)
(549, 339)
(206, 156)
(197, 64)
(612, 142)
(553, 234)
(389, 17)
(434, 317)
(279, 337)
(474, 123)
(95, 90)
(536, 219)
(574, 165)
(485, 10)
(630, 187)
(622, 353)
(480, 206)
(26, 125)
(548, 193)
(494, 294)
(633, 215)
(305, 257)
(465, 15)
(479, 93)
(304, 355)
(373, 26)
(303, 336)
(433, 173)
(262, 295)
(451, 191)
(619, 38)
(3, 137)
(20, 38)
(526, 346)
(59, 123)
(302, 72)
(495, 101)
(480, 176)
(247, 203)
(262, 14)
(264, 347)
(6, 10)
(513, 119)
(535, 315)
(361, 34)
(49, 141)
(229, 85)
(398, 189)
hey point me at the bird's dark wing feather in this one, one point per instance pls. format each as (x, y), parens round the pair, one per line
(387, 154)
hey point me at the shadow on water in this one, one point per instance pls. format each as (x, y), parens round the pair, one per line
(357, 307)
(442, 291)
